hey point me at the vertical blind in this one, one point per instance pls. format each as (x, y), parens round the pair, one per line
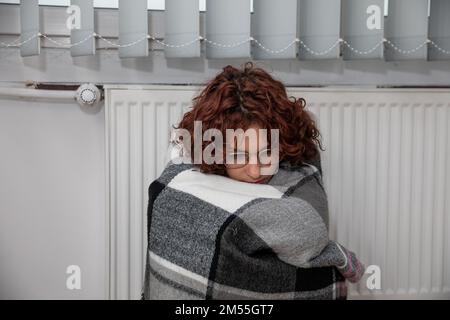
(86, 29)
(362, 29)
(407, 28)
(227, 24)
(133, 28)
(182, 26)
(29, 25)
(277, 36)
(318, 28)
(284, 29)
(439, 28)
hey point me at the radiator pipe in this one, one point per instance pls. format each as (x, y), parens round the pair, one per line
(86, 95)
(38, 95)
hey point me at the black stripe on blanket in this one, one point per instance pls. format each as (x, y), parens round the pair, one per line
(241, 267)
(213, 271)
(154, 190)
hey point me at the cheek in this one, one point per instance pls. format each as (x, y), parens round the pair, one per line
(236, 173)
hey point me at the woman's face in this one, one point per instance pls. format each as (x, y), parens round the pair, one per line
(250, 172)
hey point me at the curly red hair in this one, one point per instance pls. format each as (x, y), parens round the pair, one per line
(240, 98)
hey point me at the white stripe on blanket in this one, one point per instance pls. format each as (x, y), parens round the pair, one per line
(221, 289)
(223, 192)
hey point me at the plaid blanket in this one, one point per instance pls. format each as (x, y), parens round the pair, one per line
(212, 237)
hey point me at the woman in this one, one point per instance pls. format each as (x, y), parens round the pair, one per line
(252, 98)
(246, 216)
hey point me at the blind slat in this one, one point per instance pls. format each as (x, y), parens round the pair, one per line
(274, 25)
(29, 23)
(86, 29)
(407, 29)
(182, 25)
(439, 29)
(228, 24)
(133, 27)
(319, 27)
(363, 28)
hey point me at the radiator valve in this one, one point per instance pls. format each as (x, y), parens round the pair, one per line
(88, 95)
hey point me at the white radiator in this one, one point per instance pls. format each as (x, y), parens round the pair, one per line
(386, 171)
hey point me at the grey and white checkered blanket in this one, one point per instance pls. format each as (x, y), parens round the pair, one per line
(212, 237)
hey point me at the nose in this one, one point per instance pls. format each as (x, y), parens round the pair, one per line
(253, 171)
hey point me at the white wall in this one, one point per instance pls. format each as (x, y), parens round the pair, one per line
(52, 200)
